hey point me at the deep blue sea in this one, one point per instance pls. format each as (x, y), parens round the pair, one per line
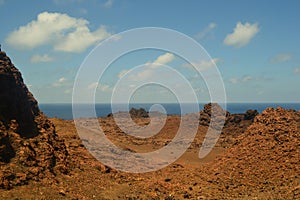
(64, 111)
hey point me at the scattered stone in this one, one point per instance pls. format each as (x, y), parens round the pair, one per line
(168, 180)
(62, 192)
(186, 195)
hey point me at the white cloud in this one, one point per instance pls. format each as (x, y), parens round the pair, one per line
(81, 39)
(101, 87)
(203, 65)
(244, 79)
(108, 3)
(147, 73)
(163, 59)
(149, 69)
(122, 73)
(41, 58)
(206, 31)
(93, 86)
(60, 82)
(65, 33)
(282, 57)
(142, 75)
(104, 87)
(297, 71)
(242, 34)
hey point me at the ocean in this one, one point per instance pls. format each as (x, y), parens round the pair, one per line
(64, 111)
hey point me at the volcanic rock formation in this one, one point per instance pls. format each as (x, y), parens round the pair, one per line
(264, 158)
(29, 146)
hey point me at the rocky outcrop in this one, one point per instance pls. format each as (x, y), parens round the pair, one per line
(134, 113)
(16, 102)
(232, 126)
(206, 114)
(138, 113)
(265, 157)
(29, 146)
(250, 114)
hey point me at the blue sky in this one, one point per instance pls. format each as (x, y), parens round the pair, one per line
(255, 44)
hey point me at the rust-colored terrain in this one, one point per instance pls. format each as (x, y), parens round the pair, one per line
(256, 157)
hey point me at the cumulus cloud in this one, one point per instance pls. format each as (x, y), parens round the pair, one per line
(282, 57)
(242, 34)
(206, 31)
(41, 58)
(164, 59)
(65, 33)
(104, 87)
(81, 39)
(122, 73)
(60, 82)
(142, 75)
(244, 79)
(161, 60)
(93, 86)
(203, 65)
(101, 87)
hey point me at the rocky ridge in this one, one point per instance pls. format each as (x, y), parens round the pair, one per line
(29, 146)
(265, 158)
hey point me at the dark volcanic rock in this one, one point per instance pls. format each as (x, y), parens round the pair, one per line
(134, 113)
(218, 118)
(16, 102)
(138, 113)
(29, 146)
(232, 126)
(250, 114)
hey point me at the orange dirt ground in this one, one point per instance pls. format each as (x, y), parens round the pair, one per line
(252, 160)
